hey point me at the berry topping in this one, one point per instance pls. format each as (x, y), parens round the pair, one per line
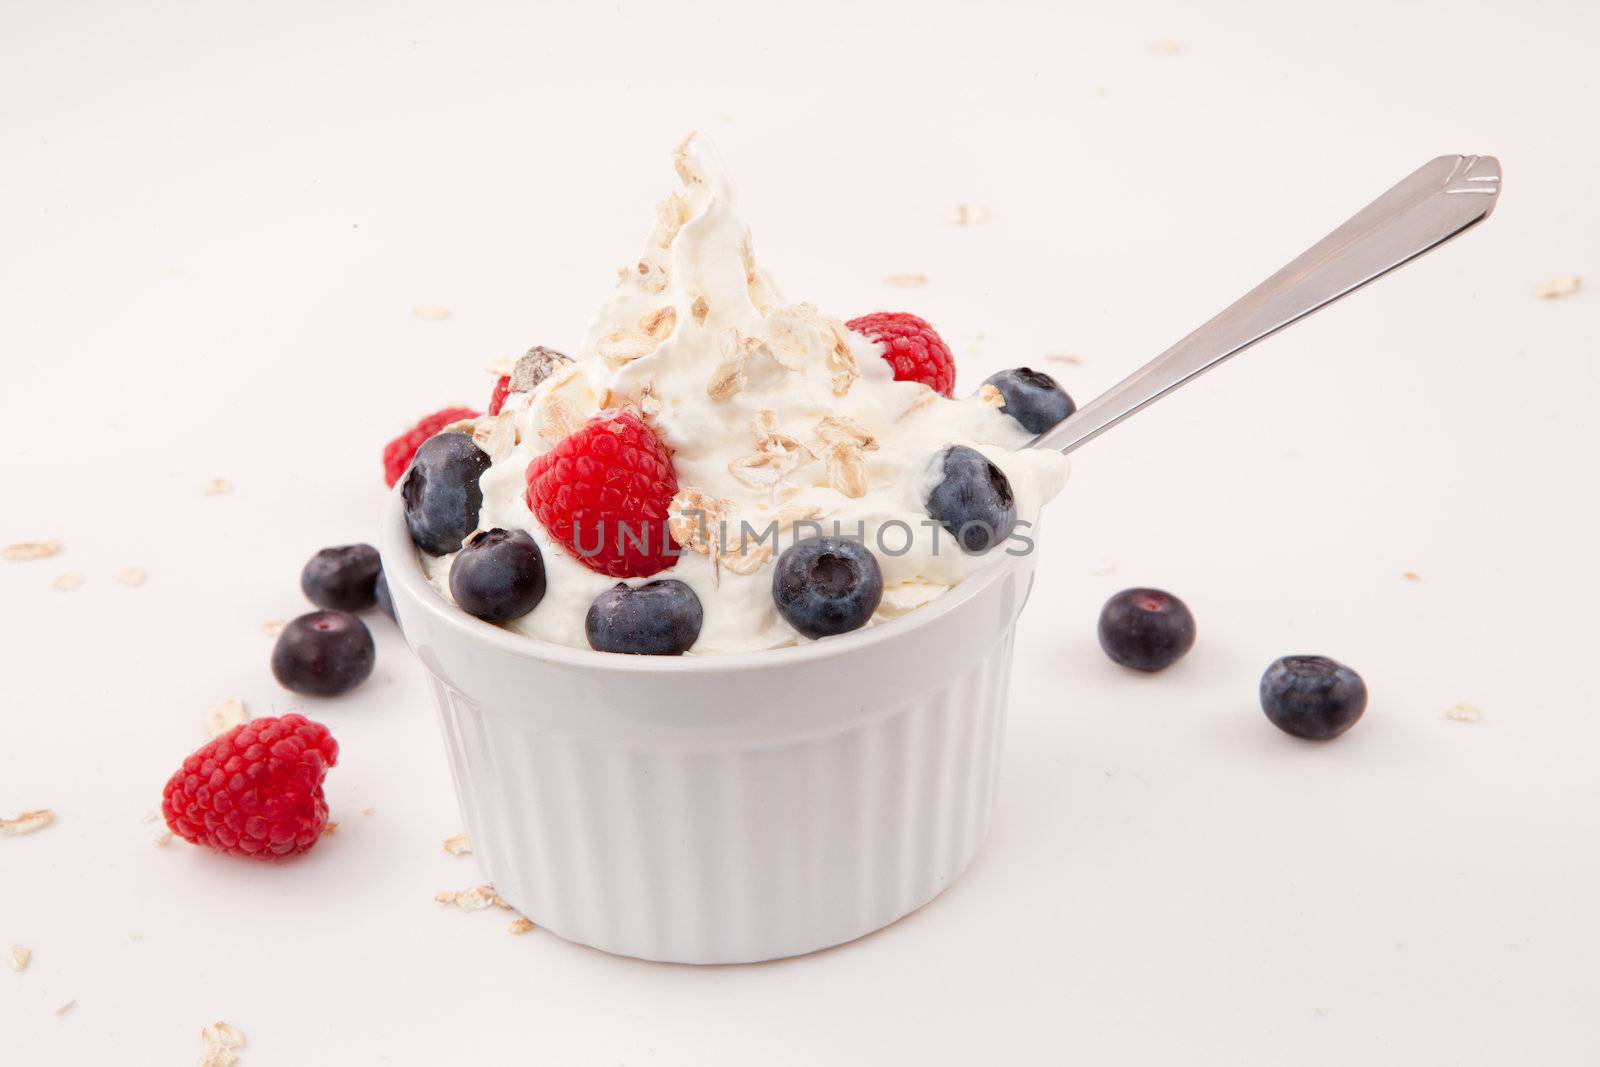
(255, 791)
(1312, 697)
(323, 653)
(498, 575)
(607, 491)
(1146, 629)
(911, 347)
(973, 500)
(344, 577)
(441, 493)
(659, 618)
(397, 454)
(827, 585)
(502, 389)
(1032, 398)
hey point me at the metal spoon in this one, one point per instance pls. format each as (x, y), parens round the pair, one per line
(1434, 203)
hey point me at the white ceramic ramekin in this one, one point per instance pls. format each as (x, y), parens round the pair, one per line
(722, 809)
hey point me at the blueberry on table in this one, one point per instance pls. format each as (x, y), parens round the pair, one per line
(323, 653)
(827, 585)
(660, 618)
(1146, 629)
(1312, 697)
(1032, 397)
(441, 492)
(344, 578)
(498, 575)
(973, 500)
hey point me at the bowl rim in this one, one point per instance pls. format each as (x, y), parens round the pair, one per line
(402, 570)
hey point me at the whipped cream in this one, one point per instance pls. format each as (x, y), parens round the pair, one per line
(774, 415)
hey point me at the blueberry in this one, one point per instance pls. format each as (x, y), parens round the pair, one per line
(441, 492)
(1312, 697)
(827, 585)
(498, 576)
(380, 593)
(344, 577)
(660, 618)
(323, 653)
(973, 500)
(1146, 629)
(1032, 398)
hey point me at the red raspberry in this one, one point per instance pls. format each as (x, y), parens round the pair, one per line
(397, 454)
(255, 791)
(605, 489)
(502, 389)
(911, 347)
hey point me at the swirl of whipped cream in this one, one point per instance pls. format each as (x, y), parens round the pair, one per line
(777, 418)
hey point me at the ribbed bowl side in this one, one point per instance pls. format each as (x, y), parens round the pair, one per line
(739, 852)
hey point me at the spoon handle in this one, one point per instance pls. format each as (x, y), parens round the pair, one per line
(1434, 203)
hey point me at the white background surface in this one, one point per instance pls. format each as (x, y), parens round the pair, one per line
(217, 219)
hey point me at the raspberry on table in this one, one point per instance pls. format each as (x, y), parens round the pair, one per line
(255, 791)
(397, 454)
(606, 492)
(911, 347)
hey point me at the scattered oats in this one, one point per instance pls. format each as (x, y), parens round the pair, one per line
(847, 470)
(988, 394)
(924, 400)
(474, 899)
(458, 845)
(652, 276)
(683, 164)
(369, 811)
(1102, 90)
(217, 487)
(497, 435)
(740, 562)
(902, 597)
(1065, 357)
(520, 925)
(660, 323)
(1104, 569)
(649, 403)
(218, 1044)
(67, 1007)
(224, 717)
(841, 361)
(765, 428)
(699, 309)
(793, 333)
(430, 313)
(27, 822)
(729, 377)
(620, 346)
(1411, 576)
(135, 937)
(756, 282)
(968, 215)
(1465, 713)
(18, 958)
(1166, 48)
(330, 828)
(1559, 286)
(693, 513)
(671, 214)
(906, 281)
(272, 627)
(558, 417)
(31, 550)
(68, 581)
(160, 836)
(500, 365)
(466, 425)
(131, 576)
(836, 429)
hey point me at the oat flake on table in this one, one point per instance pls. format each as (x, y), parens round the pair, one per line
(458, 845)
(272, 627)
(67, 581)
(1166, 48)
(1559, 286)
(27, 822)
(217, 487)
(968, 215)
(906, 281)
(1465, 713)
(430, 313)
(18, 958)
(218, 1044)
(224, 716)
(132, 576)
(26, 550)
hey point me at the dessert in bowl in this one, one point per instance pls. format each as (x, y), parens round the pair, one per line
(816, 555)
